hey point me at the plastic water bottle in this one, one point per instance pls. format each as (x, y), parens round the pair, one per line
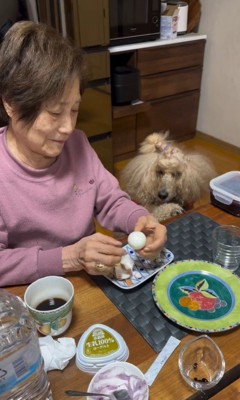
(22, 376)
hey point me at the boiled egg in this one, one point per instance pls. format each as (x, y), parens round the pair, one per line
(137, 240)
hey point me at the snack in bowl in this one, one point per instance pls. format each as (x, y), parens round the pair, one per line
(120, 375)
(201, 363)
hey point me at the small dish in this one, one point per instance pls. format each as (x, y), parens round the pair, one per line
(104, 381)
(143, 269)
(201, 363)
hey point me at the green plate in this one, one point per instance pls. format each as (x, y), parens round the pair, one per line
(198, 295)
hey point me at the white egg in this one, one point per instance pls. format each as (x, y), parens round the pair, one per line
(137, 240)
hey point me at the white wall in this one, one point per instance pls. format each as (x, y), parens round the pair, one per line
(219, 111)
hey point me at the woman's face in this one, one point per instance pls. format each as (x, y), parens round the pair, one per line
(40, 144)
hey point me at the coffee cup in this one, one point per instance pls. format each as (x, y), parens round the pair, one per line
(50, 301)
(226, 246)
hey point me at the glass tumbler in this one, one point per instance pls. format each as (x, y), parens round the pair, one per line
(226, 246)
(201, 363)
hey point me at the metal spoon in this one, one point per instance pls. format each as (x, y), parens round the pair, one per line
(116, 395)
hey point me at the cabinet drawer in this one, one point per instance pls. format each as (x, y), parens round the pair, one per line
(178, 114)
(166, 58)
(123, 134)
(170, 83)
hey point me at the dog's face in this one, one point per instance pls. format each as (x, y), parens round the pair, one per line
(163, 173)
(168, 182)
(162, 181)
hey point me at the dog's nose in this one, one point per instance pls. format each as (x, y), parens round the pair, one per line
(162, 194)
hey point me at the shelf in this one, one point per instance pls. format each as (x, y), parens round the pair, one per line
(130, 109)
(156, 43)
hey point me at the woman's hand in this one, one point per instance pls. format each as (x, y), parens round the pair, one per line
(96, 254)
(156, 236)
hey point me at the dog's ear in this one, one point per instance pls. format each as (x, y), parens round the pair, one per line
(154, 143)
(197, 173)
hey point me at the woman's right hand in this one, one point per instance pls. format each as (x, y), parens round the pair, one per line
(92, 251)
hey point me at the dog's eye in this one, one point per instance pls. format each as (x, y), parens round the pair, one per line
(176, 174)
(159, 172)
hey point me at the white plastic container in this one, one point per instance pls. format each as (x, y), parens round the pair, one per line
(120, 375)
(98, 346)
(225, 192)
(169, 22)
(182, 17)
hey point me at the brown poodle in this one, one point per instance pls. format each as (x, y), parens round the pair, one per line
(165, 179)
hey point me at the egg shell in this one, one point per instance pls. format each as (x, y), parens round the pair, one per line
(123, 270)
(137, 240)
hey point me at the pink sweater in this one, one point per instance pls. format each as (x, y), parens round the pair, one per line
(43, 210)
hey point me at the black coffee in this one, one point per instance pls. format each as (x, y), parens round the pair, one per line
(51, 304)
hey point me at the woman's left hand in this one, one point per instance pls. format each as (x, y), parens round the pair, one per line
(156, 236)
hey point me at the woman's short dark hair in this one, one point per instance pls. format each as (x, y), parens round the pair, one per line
(36, 62)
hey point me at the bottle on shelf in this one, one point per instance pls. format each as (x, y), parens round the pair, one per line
(22, 375)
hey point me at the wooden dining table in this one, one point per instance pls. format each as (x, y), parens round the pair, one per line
(92, 306)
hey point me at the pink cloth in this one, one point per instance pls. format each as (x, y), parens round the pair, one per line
(43, 210)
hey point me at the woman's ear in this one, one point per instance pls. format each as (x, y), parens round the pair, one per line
(8, 108)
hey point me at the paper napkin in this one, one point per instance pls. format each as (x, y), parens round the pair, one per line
(57, 353)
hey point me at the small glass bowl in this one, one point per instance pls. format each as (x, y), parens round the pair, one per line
(201, 363)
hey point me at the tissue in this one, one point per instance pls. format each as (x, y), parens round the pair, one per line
(57, 353)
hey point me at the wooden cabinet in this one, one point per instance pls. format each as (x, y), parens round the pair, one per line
(124, 135)
(170, 57)
(170, 81)
(86, 22)
(177, 114)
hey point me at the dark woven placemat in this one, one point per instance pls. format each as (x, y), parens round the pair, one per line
(188, 238)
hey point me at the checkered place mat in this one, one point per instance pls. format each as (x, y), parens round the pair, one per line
(188, 238)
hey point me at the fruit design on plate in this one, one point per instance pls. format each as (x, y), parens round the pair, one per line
(201, 297)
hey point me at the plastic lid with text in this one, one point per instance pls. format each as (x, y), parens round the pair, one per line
(98, 346)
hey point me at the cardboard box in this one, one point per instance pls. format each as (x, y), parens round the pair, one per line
(169, 22)
(225, 192)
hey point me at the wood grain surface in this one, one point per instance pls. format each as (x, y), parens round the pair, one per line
(92, 306)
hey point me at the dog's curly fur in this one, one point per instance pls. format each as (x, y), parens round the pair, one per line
(164, 178)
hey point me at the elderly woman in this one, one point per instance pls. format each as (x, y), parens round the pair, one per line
(53, 185)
